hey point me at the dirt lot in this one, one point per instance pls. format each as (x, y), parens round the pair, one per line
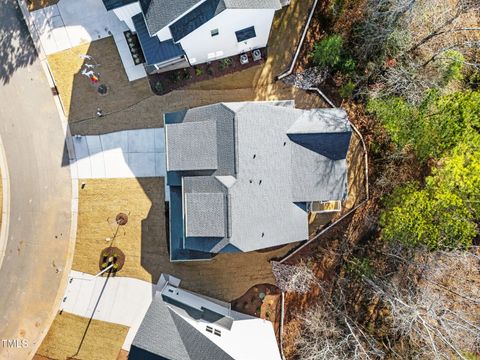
(144, 241)
(72, 336)
(133, 105)
(38, 4)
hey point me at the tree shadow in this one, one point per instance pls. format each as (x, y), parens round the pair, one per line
(16, 46)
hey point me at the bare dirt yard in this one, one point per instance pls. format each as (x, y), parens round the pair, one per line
(144, 241)
(75, 337)
(130, 105)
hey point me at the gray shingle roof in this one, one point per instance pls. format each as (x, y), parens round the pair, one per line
(192, 146)
(165, 333)
(196, 18)
(160, 13)
(282, 156)
(208, 215)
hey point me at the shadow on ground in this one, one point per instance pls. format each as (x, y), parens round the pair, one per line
(16, 50)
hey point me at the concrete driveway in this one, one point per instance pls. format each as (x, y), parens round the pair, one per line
(70, 23)
(118, 300)
(38, 246)
(123, 154)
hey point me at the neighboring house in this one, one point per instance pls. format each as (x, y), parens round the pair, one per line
(181, 325)
(179, 33)
(243, 176)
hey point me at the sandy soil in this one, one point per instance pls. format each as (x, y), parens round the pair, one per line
(144, 241)
(74, 336)
(131, 105)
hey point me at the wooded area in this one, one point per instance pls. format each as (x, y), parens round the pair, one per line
(401, 279)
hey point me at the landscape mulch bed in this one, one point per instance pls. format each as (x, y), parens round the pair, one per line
(262, 301)
(166, 82)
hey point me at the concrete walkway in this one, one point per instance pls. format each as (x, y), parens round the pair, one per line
(117, 300)
(72, 22)
(123, 154)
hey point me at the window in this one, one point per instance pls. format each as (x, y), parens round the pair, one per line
(214, 32)
(245, 34)
(209, 329)
(217, 332)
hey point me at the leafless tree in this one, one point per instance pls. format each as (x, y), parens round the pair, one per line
(329, 333)
(294, 278)
(437, 307)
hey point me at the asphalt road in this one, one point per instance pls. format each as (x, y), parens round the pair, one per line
(40, 192)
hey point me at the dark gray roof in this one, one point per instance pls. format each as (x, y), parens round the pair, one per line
(160, 13)
(196, 18)
(113, 4)
(154, 50)
(166, 334)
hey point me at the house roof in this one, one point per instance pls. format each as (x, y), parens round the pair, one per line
(113, 4)
(195, 18)
(160, 13)
(279, 157)
(175, 328)
(154, 50)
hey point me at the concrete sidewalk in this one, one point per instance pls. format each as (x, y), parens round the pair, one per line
(71, 23)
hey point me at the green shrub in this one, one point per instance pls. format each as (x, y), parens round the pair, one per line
(198, 71)
(452, 66)
(346, 90)
(225, 63)
(328, 52)
(186, 75)
(158, 87)
(360, 267)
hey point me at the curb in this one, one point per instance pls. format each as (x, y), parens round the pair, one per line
(73, 171)
(5, 219)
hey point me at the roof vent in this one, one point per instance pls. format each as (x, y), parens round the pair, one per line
(254, 156)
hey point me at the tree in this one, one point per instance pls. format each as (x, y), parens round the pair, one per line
(444, 213)
(432, 127)
(433, 305)
(294, 278)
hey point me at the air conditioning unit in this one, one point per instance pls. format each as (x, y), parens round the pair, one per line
(257, 55)
(244, 59)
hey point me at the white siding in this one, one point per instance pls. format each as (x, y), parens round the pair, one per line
(125, 13)
(201, 47)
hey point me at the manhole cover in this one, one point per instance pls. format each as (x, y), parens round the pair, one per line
(102, 89)
(121, 219)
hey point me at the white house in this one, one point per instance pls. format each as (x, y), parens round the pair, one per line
(179, 33)
(182, 325)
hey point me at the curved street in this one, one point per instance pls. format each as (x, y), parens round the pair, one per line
(38, 249)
